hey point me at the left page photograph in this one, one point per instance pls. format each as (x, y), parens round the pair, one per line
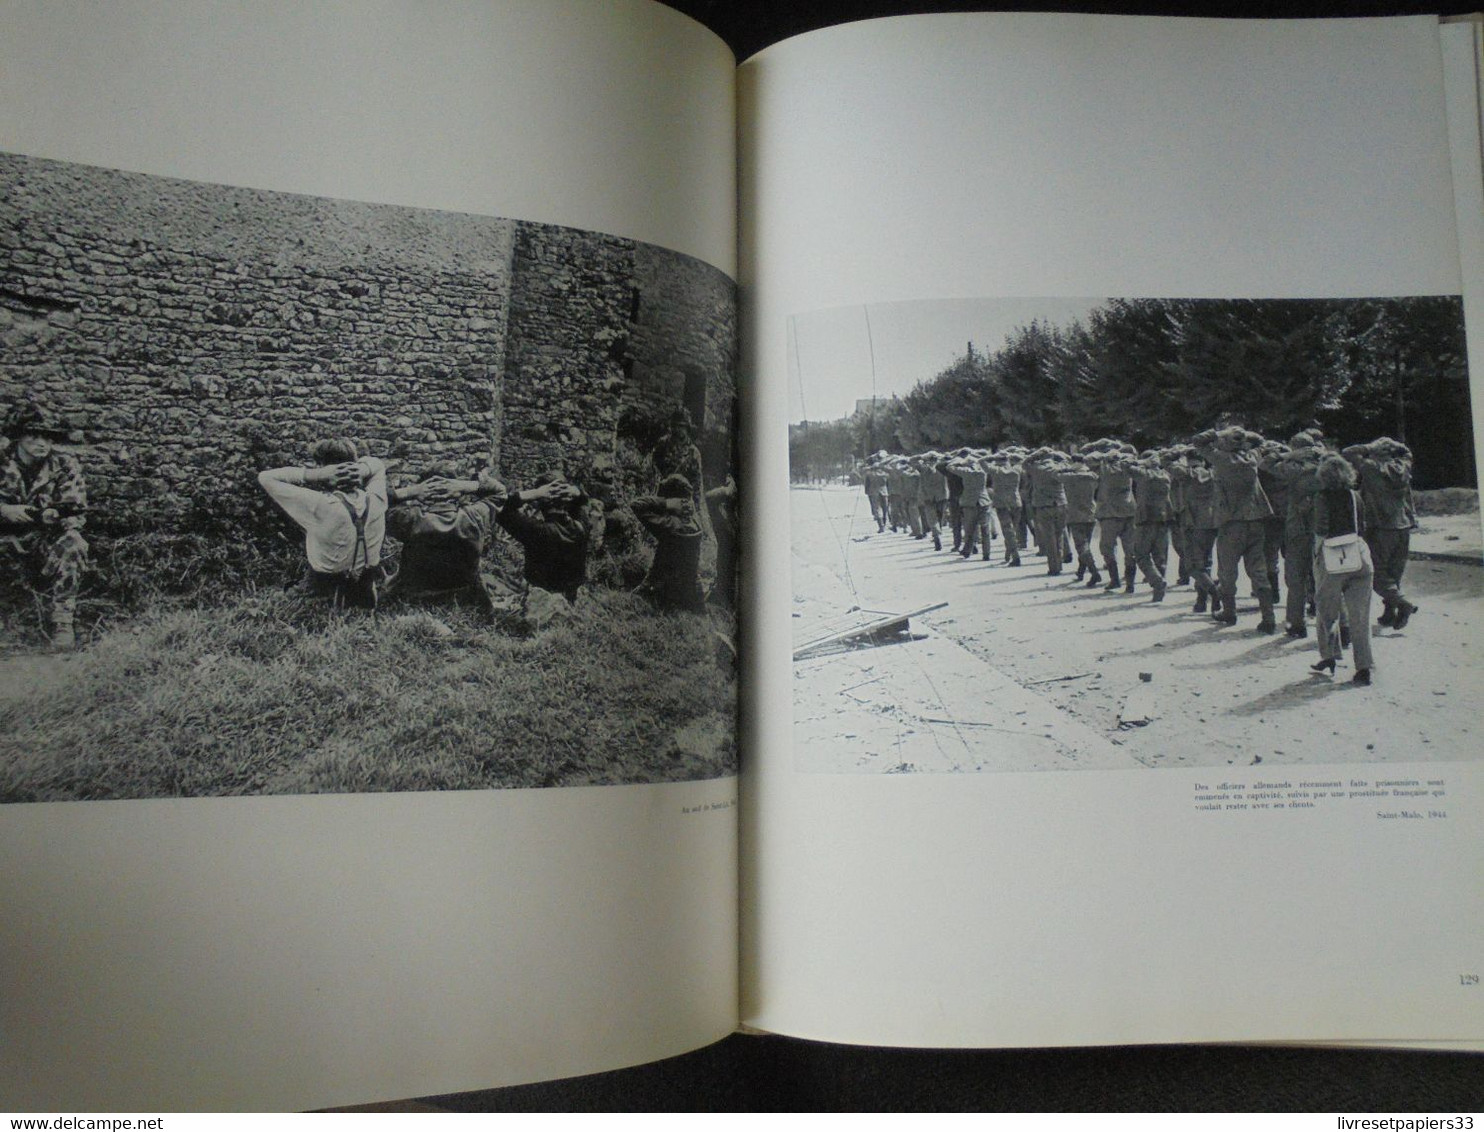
(368, 663)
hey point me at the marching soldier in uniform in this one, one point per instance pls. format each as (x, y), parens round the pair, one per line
(1198, 494)
(974, 505)
(911, 498)
(1298, 471)
(1048, 505)
(1179, 516)
(894, 494)
(877, 491)
(1385, 468)
(955, 493)
(1005, 475)
(1275, 487)
(932, 490)
(1151, 523)
(1241, 513)
(1080, 483)
(1115, 504)
(43, 506)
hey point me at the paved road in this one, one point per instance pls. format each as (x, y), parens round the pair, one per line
(1024, 671)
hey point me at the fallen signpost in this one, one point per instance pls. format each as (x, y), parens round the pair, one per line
(881, 627)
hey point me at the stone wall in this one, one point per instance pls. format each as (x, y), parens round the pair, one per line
(194, 334)
(686, 320)
(568, 339)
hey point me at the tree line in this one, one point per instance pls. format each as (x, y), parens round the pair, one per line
(1154, 370)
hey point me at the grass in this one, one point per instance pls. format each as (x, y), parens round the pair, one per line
(1446, 501)
(263, 695)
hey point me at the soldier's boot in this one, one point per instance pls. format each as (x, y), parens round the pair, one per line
(1268, 623)
(1404, 613)
(1094, 579)
(1223, 609)
(1015, 561)
(1159, 590)
(1388, 616)
(1344, 635)
(1297, 629)
(1200, 601)
(1113, 582)
(1128, 578)
(937, 542)
(1081, 570)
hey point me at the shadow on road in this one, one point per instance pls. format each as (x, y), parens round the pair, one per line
(1299, 694)
(1269, 648)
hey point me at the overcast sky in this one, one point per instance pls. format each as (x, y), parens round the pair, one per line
(831, 352)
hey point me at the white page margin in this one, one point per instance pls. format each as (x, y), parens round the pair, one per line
(1031, 157)
(191, 975)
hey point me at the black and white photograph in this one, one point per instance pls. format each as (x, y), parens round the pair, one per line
(305, 495)
(1112, 533)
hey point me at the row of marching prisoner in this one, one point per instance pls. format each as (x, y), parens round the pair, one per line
(444, 519)
(1338, 521)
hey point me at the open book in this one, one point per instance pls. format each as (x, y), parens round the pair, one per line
(260, 853)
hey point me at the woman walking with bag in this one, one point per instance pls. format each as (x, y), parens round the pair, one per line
(1342, 567)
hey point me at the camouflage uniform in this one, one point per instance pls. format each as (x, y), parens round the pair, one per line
(48, 555)
(677, 455)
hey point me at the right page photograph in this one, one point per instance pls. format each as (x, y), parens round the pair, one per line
(1117, 459)
(1081, 521)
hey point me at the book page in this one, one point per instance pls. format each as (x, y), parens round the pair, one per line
(1013, 803)
(427, 314)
